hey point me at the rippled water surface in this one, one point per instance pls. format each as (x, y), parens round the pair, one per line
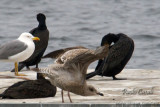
(85, 22)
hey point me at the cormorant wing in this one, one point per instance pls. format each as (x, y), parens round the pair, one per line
(116, 55)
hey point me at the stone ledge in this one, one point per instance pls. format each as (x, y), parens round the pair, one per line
(113, 91)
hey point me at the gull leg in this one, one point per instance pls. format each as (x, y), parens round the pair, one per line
(62, 96)
(16, 70)
(69, 97)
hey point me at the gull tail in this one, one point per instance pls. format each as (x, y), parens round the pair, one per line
(20, 67)
(44, 71)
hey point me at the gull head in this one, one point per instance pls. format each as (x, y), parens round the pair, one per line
(92, 91)
(27, 37)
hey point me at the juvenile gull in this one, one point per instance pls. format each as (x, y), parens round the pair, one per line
(41, 32)
(60, 52)
(69, 71)
(119, 54)
(18, 50)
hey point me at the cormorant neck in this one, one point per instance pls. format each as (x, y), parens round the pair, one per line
(42, 26)
(116, 38)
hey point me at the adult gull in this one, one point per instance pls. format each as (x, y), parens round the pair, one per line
(18, 50)
(41, 32)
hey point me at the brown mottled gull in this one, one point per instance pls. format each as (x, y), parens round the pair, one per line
(69, 71)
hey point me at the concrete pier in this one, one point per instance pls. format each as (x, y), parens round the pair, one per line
(142, 87)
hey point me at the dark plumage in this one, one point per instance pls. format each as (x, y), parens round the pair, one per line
(119, 54)
(42, 32)
(30, 89)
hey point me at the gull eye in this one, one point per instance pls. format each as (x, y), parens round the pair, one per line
(91, 89)
(28, 36)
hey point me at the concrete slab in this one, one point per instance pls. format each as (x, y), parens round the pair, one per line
(141, 87)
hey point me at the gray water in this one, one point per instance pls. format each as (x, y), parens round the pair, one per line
(85, 22)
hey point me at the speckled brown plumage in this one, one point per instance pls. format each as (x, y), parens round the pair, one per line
(60, 52)
(71, 73)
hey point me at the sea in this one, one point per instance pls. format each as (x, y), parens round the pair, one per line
(84, 23)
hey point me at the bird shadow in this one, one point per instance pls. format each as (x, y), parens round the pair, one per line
(124, 79)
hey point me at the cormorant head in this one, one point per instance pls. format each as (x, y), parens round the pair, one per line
(41, 18)
(109, 38)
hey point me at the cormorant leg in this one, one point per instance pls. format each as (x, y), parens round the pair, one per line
(114, 78)
(27, 67)
(69, 97)
(62, 96)
(37, 65)
(16, 70)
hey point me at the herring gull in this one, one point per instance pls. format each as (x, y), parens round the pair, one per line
(41, 32)
(18, 50)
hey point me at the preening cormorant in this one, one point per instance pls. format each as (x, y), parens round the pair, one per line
(42, 32)
(119, 54)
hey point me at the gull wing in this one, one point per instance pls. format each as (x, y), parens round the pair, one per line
(60, 52)
(11, 48)
(82, 58)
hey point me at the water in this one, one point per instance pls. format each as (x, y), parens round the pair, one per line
(85, 22)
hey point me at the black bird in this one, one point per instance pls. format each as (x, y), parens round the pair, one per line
(40, 88)
(42, 32)
(119, 54)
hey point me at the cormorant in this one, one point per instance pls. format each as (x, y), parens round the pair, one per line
(39, 88)
(119, 54)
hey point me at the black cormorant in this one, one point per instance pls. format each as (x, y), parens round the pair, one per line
(40, 88)
(119, 54)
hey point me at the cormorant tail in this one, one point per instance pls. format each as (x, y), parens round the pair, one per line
(1, 95)
(92, 74)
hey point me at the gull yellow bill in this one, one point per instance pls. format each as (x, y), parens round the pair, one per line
(36, 38)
